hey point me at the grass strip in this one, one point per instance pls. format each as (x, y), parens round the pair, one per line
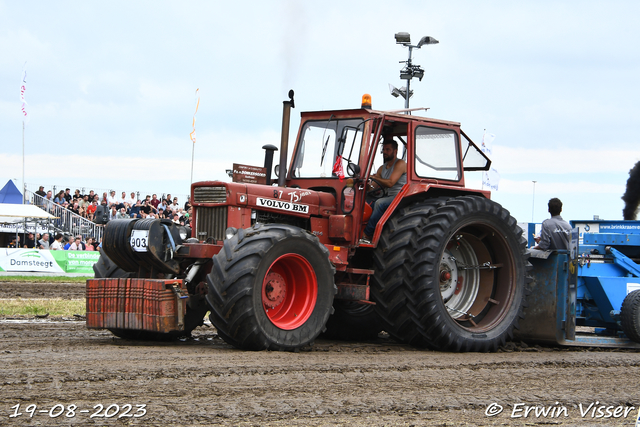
(45, 279)
(41, 306)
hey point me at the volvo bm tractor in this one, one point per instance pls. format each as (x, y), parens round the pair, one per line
(276, 264)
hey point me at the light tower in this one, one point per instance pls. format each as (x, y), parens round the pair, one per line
(410, 70)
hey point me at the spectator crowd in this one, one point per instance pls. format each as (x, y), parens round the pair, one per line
(113, 207)
(86, 205)
(60, 242)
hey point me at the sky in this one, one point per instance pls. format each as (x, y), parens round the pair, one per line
(111, 88)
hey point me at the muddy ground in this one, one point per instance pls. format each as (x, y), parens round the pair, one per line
(203, 381)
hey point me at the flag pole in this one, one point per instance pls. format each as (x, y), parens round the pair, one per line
(193, 148)
(192, 135)
(482, 179)
(24, 192)
(23, 89)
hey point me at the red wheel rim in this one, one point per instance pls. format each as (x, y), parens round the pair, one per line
(289, 291)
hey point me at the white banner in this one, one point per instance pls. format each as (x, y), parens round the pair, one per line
(28, 260)
(19, 227)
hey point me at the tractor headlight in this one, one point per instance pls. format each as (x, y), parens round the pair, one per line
(185, 233)
(231, 231)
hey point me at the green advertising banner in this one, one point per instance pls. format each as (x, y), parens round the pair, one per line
(46, 261)
(76, 261)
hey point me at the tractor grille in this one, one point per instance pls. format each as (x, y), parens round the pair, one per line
(211, 223)
(210, 194)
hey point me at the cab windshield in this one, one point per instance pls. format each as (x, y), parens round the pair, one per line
(322, 141)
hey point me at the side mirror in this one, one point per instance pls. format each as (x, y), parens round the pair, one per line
(353, 169)
(347, 200)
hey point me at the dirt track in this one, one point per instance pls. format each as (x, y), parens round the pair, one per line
(203, 381)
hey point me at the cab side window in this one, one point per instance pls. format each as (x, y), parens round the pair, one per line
(436, 153)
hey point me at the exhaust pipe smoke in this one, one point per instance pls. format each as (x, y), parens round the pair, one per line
(632, 195)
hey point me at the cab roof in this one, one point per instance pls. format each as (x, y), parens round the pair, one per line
(400, 114)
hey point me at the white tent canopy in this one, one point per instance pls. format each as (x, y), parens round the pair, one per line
(11, 213)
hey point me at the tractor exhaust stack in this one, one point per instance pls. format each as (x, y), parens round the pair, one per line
(268, 160)
(284, 141)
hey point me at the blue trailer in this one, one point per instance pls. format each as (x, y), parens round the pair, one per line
(588, 295)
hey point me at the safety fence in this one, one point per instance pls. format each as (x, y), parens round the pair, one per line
(66, 222)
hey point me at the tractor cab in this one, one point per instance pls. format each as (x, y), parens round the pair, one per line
(337, 152)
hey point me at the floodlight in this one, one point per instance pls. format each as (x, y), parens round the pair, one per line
(406, 74)
(403, 38)
(399, 92)
(394, 91)
(418, 72)
(427, 40)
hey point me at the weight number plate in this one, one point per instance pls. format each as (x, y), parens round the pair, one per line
(140, 240)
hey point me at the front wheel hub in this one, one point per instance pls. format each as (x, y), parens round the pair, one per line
(274, 290)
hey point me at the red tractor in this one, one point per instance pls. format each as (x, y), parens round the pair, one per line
(276, 265)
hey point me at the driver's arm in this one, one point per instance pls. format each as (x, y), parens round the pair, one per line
(398, 170)
(378, 174)
(377, 177)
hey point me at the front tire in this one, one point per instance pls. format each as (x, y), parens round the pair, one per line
(271, 287)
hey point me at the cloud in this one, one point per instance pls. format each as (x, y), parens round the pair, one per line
(168, 169)
(560, 187)
(561, 160)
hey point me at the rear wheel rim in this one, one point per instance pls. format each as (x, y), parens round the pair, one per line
(289, 291)
(475, 274)
(459, 286)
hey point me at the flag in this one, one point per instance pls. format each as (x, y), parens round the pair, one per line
(23, 89)
(487, 139)
(193, 133)
(490, 178)
(338, 169)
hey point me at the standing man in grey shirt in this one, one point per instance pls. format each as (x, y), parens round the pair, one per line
(555, 232)
(44, 242)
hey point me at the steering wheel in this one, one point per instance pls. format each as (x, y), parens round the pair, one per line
(378, 191)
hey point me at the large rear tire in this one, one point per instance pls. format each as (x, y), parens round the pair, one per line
(463, 284)
(630, 316)
(392, 265)
(271, 287)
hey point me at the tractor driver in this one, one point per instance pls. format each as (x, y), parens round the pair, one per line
(392, 175)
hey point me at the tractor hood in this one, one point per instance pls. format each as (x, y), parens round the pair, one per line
(289, 201)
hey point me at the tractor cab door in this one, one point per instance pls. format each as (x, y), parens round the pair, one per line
(389, 129)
